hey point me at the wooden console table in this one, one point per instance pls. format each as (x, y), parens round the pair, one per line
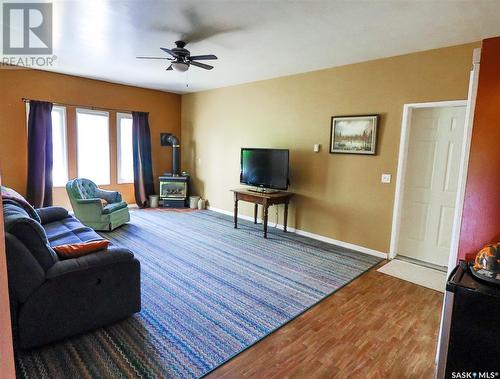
(264, 199)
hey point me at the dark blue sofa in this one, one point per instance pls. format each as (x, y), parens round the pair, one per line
(51, 298)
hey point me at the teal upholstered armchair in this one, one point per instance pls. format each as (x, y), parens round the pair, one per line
(86, 200)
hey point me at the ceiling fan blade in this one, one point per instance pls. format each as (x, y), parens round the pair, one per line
(193, 28)
(201, 65)
(153, 58)
(202, 57)
(169, 68)
(168, 51)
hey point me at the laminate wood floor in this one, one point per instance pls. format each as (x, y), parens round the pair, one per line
(377, 326)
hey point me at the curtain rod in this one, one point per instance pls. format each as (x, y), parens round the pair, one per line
(26, 100)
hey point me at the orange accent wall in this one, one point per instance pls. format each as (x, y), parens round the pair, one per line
(6, 350)
(164, 116)
(481, 213)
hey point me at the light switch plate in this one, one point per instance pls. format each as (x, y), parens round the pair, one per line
(316, 147)
(386, 178)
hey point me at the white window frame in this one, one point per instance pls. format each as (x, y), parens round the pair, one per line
(92, 112)
(61, 108)
(119, 117)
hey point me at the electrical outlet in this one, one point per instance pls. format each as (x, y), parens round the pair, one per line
(316, 147)
(386, 178)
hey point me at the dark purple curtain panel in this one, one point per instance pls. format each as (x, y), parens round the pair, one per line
(39, 191)
(143, 167)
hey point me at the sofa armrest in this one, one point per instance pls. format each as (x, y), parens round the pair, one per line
(50, 214)
(101, 258)
(24, 273)
(109, 196)
(71, 302)
(33, 236)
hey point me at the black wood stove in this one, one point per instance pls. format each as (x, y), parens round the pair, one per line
(174, 190)
(174, 186)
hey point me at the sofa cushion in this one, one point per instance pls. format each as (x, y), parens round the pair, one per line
(12, 212)
(69, 230)
(30, 233)
(51, 214)
(110, 208)
(9, 196)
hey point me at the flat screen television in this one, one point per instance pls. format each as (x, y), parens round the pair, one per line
(265, 168)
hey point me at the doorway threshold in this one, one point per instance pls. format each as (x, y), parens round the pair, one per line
(422, 263)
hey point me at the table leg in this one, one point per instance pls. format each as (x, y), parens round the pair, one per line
(255, 210)
(285, 217)
(265, 209)
(235, 213)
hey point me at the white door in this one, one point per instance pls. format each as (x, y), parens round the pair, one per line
(430, 184)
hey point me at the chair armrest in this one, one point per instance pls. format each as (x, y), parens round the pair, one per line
(88, 201)
(109, 196)
(51, 214)
(88, 209)
(88, 262)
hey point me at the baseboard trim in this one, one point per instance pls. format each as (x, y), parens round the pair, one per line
(315, 236)
(347, 245)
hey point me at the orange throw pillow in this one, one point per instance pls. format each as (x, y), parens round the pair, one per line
(76, 250)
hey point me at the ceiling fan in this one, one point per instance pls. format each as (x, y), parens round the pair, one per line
(181, 58)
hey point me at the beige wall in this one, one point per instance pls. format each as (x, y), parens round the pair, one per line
(338, 196)
(164, 116)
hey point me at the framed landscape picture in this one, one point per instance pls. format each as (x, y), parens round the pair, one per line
(354, 134)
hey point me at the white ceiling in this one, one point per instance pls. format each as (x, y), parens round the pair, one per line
(254, 40)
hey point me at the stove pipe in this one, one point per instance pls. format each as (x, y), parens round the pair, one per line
(168, 139)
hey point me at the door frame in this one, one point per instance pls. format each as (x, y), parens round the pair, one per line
(401, 170)
(6, 341)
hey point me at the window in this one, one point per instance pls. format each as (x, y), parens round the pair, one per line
(59, 147)
(124, 148)
(92, 133)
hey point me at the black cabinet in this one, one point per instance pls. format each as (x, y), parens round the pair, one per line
(474, 334)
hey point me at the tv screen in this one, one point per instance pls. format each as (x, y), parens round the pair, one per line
(264, 168)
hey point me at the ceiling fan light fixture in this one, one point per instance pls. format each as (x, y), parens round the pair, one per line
(180, 58)
(180, 66)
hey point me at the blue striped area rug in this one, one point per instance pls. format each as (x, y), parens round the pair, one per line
(209, 291)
